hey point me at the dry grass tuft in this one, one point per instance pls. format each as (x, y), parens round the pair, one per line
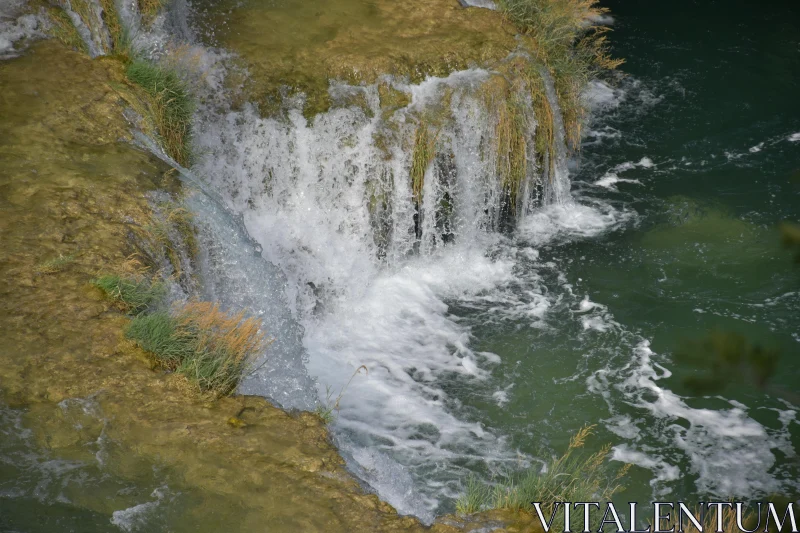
(212, 348)
(569, 45)
(149, 9)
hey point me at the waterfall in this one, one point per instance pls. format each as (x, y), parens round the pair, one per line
(349, 233)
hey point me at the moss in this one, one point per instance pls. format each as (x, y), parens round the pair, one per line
(211, 348)
(133, 296)
(170, 106)
(391, 99)
(287, 45)
(355, 97)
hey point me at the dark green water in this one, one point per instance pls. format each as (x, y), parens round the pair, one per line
(711, 98)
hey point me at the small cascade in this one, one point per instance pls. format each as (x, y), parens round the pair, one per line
(88, 18)
(236, 276)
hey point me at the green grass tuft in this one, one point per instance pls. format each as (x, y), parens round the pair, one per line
(573, 477)
(213, 349)
(475, 496)
(53, 266)
(171, 106)
(132, 296)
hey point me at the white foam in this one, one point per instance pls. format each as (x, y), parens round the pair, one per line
(610, 180)
(729, 452)
(602, 20)
(570, 221)
(137, 517)
(794, 137)
(486, 4)
(599, 95)
(757, 148)
(16, 28)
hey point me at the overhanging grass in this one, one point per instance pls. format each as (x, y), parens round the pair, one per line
(569, 45)
(131, 295)
(171, 106)
(213, 349)
(424, 151)
(573, 477)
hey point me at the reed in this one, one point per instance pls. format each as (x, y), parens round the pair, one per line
(573, 477)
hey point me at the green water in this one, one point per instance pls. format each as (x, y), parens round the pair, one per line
(700, 252)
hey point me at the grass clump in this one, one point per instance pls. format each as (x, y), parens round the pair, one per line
(212, 348)
(573, 477)
(131, 295)
(424, 151)
(171, 106)
(55, 265)
(569, 44)
(119, 40)
(328, 410)
(474, 498)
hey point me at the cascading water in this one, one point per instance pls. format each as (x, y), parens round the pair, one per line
(367, 266)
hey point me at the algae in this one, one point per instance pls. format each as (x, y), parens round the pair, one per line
(292, 47)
